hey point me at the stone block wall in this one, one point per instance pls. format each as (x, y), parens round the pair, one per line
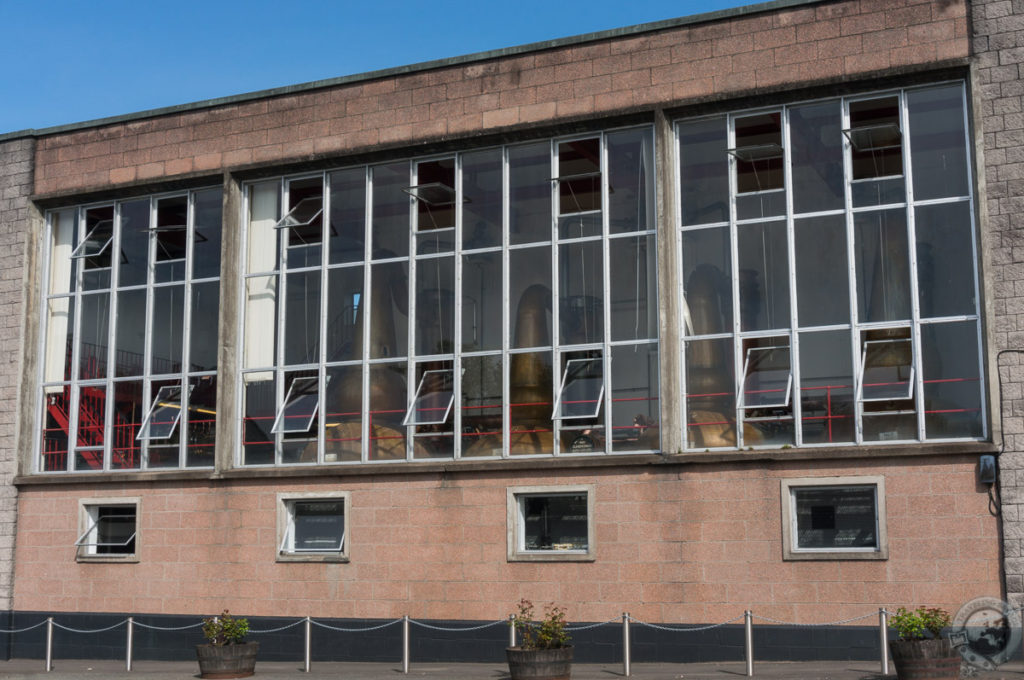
(16, 158)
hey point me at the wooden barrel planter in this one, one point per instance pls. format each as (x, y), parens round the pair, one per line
(925, 659)
(539, 664)
(227, 661)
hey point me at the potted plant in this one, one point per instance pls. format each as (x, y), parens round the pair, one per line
(226, 655)
(921, 651)
(544, 651)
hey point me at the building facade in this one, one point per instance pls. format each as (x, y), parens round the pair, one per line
(684, 319)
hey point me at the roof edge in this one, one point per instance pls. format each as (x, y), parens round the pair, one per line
(626, 31)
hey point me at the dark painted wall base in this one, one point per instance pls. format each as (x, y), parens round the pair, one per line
(598, 645)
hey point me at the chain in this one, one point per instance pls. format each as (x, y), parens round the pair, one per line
(354, 630)
(811, 625)
(98, 630)
(458, 630)
(146, 625)
(278, 630)
(686, 630)
(593, 625)
(24, 630)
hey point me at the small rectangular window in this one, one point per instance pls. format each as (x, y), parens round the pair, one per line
(551, 523)
(110, 529)
(767, 378)
(313, 527)
(434, 397)
(886, 370)
(582, 389)
(299, 408)
(834, 518)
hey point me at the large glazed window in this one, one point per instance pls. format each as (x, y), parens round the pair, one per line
(129, 370)
(432, 308)
(829, 273)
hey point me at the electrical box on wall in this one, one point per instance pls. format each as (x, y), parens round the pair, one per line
(987, 469)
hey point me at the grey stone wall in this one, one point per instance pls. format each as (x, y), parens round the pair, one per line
(998, 47)
(16, 160)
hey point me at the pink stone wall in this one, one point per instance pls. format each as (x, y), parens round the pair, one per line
(831, 40)
(674, 544)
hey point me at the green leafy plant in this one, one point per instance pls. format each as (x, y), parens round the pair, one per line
(225, 629)
(548, 633)
(913, 625)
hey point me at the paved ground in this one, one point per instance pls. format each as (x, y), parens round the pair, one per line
(21, 669)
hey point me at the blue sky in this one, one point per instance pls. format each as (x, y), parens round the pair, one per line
(73, 60)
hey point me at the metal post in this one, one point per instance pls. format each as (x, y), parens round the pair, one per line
(405, 643)
(625, 644)
(131, 636)
(511, 630)
(748, 630)
(49, 644)
(883, 638)
(309, 643)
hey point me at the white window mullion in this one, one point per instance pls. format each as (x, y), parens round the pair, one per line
(737, 341)
(606, 302)
(325, 318)
(410, 342)
(112, 321)
(506, 322)
(367, 307)
(458, 297)
(281, 235)
(556, 300)
(794, 336)
(851, 257)
(915, 307)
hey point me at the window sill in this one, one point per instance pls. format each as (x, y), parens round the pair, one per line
(553, 556)
(313, 557)
(834, 555)
(108, 559)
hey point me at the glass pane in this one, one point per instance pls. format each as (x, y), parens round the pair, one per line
(259, 410)
(890, 426)
(260, 321)
(631, 180)
(816, 150)
(529, 193)
(582, 389)
(835, 517)
(263, 237)
(482, 203)
(530, 389)
(883, 274)
(207, 234)
(129, 352)
(343, 407)
(710, 394)
(59, 337)
(945, 259)
(92, 416)
(826, 387)
(432, 404)
(763, 276)
(758, 153)
(347, 231)
(115, 530)
(390, 227)
(633, 288)
(202, 422)
(303, 223)
(389, 305)
(530, 296)
(204, 346)
(952, 383)
(161, 425)
(581, 293)
(707, 282)
(300, 405)
(767, 376)
(635, 410)
(126, 450)
(877, 192)
(319, 525)
(481, 406)
(56, 415)
(435, 306)
(481, 301)
(134, 261)
(704, 171)
(168, 315)
(344, 314)
(96, 247)
(302, 318)
(876, 141)
(171, 235)
(579, 225)
(387, 409)
(554, 523)
(938, 153)
(579, 176)
(62, 243)
(435, 206)
(887, 367)
(93, 336)
(822, 273)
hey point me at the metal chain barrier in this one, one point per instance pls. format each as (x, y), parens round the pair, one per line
(502, 622)
(813, 625)
(24, 630)
(98, 630)
(278, 630)
(593, 625)
(694, 629)
(146, 625)
(354, 630)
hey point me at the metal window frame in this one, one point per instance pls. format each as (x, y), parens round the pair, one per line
(89, 510)
(287, 546)
(792, 487)
(557, 413)
(282, 416)
(911, 380)
(146, 426)
(409, 414)
(741, 399)
(520, 499)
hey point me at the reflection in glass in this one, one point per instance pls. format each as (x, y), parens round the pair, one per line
(530, 296)
(125, 450)
(582, 389)
(826, 387)
(299, 407)
(202, 421)
(92, 408)
(389, 303)
(347, 232)
(481, 406)
(822, 274)
(482, 201)
(529, 168)
(945, 259)
(553, 522)
(134, 261)
(530, 392)
(164, 413)
(883, 267)
(203, 345)
(634, 388)
(633, 288)
(630, 180)
(130, 351)
(481, 301)
(887, 370)
(207, 234)
(710, 394)
(435, 306)
(835, 518)
(707, 281)
(952, 384)
(704, 171)
(168, 332)
(93, 336)
(816, 150)
(258, 419)
(344, 298)
(343, 407)
(171, 235)
(56, 410)
(387, 410)
(390, 227)
(938, 151)
(432, 404)
(302, 318)
(581, 293)
(767, 377)
(763, 276)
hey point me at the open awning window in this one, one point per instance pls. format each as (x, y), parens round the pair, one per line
(886, 370)
(304, 220)
(299, 408)
(96, 241)
(164, 414)
(582, 389)
(112, 530)
(767, 378)
(434, 397)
